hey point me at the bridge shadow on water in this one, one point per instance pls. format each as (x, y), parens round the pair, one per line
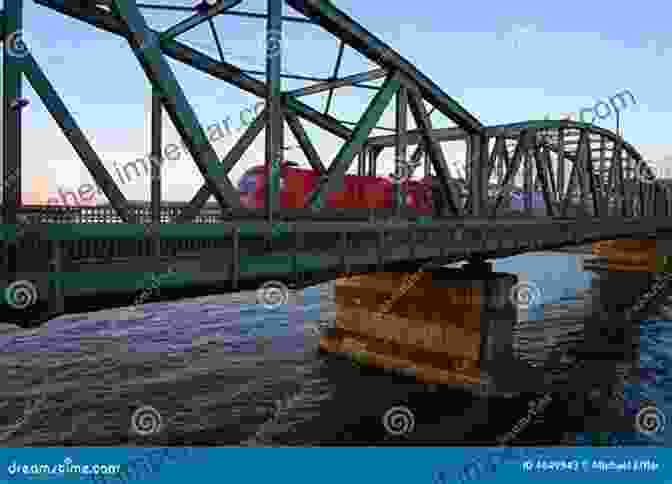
(221, 372)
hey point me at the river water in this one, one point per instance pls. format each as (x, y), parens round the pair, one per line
(222, 370)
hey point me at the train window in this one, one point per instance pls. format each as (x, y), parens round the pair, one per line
(248, 183)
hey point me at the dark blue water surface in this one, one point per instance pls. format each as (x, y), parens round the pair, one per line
(175, 327)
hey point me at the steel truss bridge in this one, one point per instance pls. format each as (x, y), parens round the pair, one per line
(595, 185)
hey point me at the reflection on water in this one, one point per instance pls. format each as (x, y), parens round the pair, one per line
(223, 371)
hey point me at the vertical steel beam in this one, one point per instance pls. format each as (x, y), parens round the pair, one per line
(11, 129)
(401, 146)
(353, 146)
(371, 167)
(544, 177)
(156, 165)
(561, 163)
(147, 48)
(478, 183)
(592, 179)
(361, 163)
(528, 184)
(274, 127)
(468, 140)
(621, 192)
(156, 156)
(602, 160)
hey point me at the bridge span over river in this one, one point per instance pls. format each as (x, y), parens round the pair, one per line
(595, 185)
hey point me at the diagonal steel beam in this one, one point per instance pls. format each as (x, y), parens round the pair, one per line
(201, 62)
(343, 81)
(76, 137)
(232, 157)
(11, 127)
(352, 147)
(302, 138)
(434, 151)
(511, 171)
(319, 119)
(543, 176)
(145, 45)
(275, 125)
(337, 68)
(401, 148)
(198, 19)
(345, 28)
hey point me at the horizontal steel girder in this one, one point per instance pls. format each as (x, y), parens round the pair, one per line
(183, 53)
(197, 19)
(343, 81)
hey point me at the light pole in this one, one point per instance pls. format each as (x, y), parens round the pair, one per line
(618, 122)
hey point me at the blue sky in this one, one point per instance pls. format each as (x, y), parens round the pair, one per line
(504, 62)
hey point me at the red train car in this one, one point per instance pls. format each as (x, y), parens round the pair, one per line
(359, 191)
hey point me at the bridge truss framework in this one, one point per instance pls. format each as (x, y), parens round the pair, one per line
(572, 164)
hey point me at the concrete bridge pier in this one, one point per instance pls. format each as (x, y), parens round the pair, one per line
(443, 326)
